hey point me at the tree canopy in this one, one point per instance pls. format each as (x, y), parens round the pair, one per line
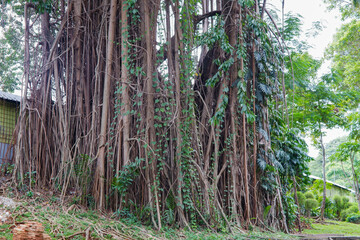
(11, 49)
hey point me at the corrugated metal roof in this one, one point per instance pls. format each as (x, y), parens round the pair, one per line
(338, 185)
(9, 96)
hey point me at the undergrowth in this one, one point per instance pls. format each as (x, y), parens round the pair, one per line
(72, 221)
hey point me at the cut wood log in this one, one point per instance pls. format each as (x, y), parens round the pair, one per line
(30, 230)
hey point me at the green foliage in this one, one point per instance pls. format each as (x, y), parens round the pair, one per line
(292, 153)
(346, 202)
(353, 125)
(11, 49)
(29, 194)
(353, 208)
(329, 211)
(301, 198)
(305, 69)
(310, 204)
(345, 55)
(348, 9)
(42, 6)
(318, 106)
(346, 150)
(309, 195)
(336, 171)
(292, 24)
(266, 211)
(350, 208)
(354, 218)
(82, 172)
(340, 203)
(126, 176)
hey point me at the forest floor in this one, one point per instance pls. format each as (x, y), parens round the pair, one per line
(71, 221)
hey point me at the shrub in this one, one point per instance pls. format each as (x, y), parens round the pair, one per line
(301, 199)
(339, 204)
(310, 204)
(329, 209)
(353, 209)
(354, 218)
(343, 215)
(345, 202)
(309, 195)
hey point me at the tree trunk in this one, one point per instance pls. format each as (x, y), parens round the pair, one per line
(322, 210)
(297, 203)
(125, 83)
(244, 137)
(355, 179)
(19, 151)
(150, 110)
(100, 168)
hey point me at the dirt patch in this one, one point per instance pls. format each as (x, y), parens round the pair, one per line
(7, 202)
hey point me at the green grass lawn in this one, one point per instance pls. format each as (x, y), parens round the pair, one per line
(335, 227)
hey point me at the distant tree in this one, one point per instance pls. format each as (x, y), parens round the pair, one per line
(336, 171)
(11, 49)
(345, 54)
(347, 151)
(319, 106)
(348, 9)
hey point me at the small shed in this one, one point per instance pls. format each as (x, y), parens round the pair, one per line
(333, 189)
(9, 113)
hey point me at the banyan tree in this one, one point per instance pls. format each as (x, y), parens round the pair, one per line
(172, 110)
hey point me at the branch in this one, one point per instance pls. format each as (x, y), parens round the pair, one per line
(263, 9)
(199, 18)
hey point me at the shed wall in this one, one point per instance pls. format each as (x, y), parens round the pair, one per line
(9, 112)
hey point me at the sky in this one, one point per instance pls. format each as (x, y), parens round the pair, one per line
(312, 11)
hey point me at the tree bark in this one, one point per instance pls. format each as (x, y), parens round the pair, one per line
(100, 168)
(244, 136)
(125, 83)
(322, 210)
(355, 179)
(150, 110)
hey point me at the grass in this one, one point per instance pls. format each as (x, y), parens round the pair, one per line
(335, 227)
(61, 222)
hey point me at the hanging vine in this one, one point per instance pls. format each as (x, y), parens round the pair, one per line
(167, 105)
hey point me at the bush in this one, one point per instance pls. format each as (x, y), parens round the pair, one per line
(309, 195)
(353, 209)
(329, 209)
(354, 218)
(301, 199)
(345, 202)
(310, 204)
(343, 215)
(340, 204)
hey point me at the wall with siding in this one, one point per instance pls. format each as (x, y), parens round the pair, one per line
(9, 112)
